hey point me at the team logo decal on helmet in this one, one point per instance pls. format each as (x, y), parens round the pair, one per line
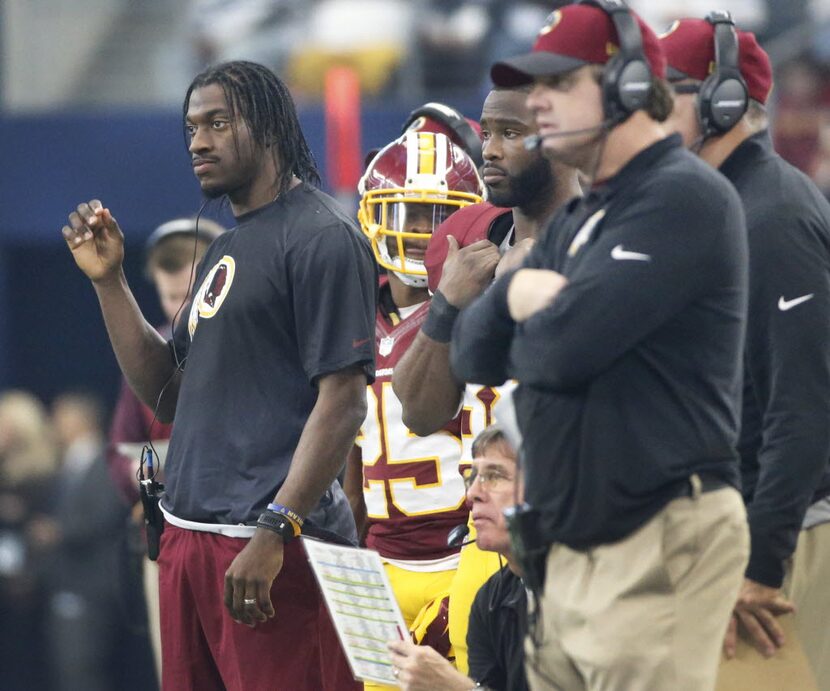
(212, 292)
(407, 191)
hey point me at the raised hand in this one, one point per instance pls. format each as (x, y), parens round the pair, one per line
(467, 271)
(96, 241)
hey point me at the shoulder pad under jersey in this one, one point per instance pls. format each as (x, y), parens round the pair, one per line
(467, 225)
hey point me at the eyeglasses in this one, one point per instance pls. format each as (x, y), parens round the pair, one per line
(489, 479)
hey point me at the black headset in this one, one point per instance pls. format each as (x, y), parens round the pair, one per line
(626, 77)
(723, 96)
(455, 121)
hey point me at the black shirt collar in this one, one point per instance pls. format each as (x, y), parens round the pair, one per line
(636, 168)
(248, 215)
(747, 153)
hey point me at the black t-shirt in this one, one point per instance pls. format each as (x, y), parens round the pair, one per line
(495, 636)
(287, 296)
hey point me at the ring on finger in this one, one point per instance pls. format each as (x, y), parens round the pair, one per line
(249, 601)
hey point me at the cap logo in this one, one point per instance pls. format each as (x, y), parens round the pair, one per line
(670, 30)
(418, 124)
(551, 22)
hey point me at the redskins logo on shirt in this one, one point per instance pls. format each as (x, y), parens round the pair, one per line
(212, 292)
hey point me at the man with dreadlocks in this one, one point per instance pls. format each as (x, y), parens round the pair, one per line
(267, 380)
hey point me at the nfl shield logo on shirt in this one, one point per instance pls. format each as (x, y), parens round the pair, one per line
(385, 346)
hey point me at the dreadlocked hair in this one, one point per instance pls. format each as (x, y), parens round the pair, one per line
(262, 100)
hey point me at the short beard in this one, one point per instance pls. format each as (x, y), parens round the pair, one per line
(531, 186)
(213, 192)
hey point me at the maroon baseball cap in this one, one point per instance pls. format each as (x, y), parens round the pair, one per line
(689, 45)
(574, 35)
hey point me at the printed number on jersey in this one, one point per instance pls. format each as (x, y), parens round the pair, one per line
(421, 474)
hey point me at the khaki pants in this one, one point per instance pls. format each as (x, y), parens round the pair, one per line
(808, 585)
(803, 664)
(647, 613)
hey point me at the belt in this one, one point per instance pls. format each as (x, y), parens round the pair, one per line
(700, 483)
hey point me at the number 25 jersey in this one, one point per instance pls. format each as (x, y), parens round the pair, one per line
(413, 486)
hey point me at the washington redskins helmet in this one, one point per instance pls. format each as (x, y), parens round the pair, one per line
(408, 189)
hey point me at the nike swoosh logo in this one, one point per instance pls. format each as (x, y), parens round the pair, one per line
(785, 305)
(359, 342)
(620, 254)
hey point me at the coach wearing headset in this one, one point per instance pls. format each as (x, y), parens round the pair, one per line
(625, 329)
(785, 437)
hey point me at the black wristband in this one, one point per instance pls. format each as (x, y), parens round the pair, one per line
(276, 523)
(440, 319)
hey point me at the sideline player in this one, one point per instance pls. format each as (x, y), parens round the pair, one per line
(785, 438)
(408, 490)
(171, 252)
(624, 329)
(523, 189)
(267, 380)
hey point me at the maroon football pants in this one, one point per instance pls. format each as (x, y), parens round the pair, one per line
(203, 649)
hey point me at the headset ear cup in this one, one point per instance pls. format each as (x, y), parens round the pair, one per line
(625, 88)
(722, 101)
(728, 104)
(704, 109)
(611, 105)
(634, 85)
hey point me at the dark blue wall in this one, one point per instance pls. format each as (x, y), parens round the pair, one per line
(51, 334)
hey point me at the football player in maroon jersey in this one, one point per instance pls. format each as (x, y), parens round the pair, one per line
(406, 490)
(523, 191)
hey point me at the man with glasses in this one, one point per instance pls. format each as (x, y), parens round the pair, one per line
(497, 619)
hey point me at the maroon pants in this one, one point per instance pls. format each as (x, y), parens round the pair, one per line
(203, 649)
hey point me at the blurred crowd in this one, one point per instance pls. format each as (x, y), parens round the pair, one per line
(801, 125)
(439, 47)
(442, 49)
(71, 610)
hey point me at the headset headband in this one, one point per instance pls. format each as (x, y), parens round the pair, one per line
(627, 77)
(726, 41)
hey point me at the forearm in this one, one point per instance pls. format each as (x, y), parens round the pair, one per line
(791, 468)
(142, 354)
(424, 383)
(327, 438)
(353, 487)
(482, 337)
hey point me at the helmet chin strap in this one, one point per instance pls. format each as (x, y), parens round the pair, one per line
(411, 280)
